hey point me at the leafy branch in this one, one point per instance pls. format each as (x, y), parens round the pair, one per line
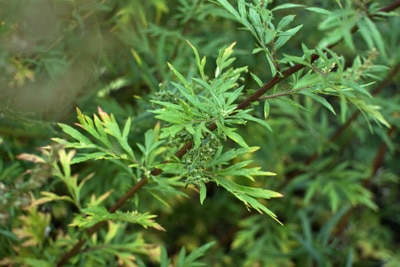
(216, 125)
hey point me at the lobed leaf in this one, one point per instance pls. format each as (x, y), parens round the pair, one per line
(96, 214)
(248, 195)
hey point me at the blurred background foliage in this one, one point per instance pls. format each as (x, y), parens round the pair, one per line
(60, 54)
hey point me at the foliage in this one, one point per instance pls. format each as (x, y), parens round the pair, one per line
(207, 116)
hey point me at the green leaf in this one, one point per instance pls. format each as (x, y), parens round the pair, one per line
(223, 59)
(266, 109)
(165, 262)
(370, 32)
(191, 259)
(271, 63)
(348, 39)
(90, 156)
(37, 263)
(285, 21)
(150, 147)
(285, 36)
(370, 110)
(203, 192)
(171, 167)
(100, 132)
(298, 60)
(242, 9)
(341, 185)
(233, 136)
(74, 133)
(319, 99)
(95, 214)
(248, 195)
(257, 79)
(336, 19)
(257, 120)
(226, 157)
(319, 10)
(241, 169)
(325, 233)
(343, 107)
(286, 6)
(230, 8)
(178, 75)
(200, 63)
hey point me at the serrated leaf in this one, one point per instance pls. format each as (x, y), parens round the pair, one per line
(95, 214)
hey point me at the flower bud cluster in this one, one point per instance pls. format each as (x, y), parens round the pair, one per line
(197, 158)
(180, 138)
(167, 96)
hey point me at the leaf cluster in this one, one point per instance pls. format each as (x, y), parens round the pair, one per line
(196, 105)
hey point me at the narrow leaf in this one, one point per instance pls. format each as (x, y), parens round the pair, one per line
(266, 109)
(286, 6)
(230, 9)
(203, 192)
(74, 133)
(234, 136)
(319, 99)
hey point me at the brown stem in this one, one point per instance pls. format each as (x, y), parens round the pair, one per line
(252, 98)
(390, 7)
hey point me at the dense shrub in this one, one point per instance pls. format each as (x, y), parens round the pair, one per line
(199, 133)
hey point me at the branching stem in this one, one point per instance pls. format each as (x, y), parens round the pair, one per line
(244, 104)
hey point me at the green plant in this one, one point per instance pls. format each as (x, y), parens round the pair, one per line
(105, 190)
